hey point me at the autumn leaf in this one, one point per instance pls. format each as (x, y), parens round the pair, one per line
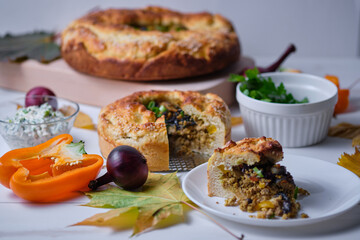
(118, 219)
(37, 45)
(344, 130)
(160, 198)
(236, 121)
(351, 162)
(356, 141)
(82, 119)
(160, 203)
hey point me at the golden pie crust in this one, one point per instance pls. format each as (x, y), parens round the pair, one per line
(127, 121)
(111, 44)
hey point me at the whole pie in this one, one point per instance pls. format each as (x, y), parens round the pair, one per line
(248, 175)
(153, 43)
(165, 124)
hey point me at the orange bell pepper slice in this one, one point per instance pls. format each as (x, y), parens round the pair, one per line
(333, 79)
(51, 171)
(343, 101)
(343, 95)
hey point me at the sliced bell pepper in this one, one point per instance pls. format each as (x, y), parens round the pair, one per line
(333, 79)
(52, 171)
(343, 95)
(343, 101)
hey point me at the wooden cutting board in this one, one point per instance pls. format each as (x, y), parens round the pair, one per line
(70, 84)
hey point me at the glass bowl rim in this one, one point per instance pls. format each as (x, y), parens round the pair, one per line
(61, 119)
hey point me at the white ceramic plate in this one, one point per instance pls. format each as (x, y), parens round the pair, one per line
(333, 190)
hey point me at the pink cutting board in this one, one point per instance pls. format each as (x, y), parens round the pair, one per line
(70, 84)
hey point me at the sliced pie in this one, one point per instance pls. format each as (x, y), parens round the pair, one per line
(248, 175)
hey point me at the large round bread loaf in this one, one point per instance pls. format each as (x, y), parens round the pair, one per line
(149, 44)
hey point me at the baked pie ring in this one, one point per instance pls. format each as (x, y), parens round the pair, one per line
(161, 124)
(153, 43)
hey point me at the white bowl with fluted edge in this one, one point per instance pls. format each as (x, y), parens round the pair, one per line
(293, 125)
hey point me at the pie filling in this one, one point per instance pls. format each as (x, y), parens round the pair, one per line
(186, 134)
(266, 188)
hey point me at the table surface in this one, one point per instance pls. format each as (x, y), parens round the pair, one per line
(20, 219)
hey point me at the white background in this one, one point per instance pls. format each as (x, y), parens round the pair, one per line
(319, 28)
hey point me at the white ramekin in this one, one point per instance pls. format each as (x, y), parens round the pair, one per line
(293, 125)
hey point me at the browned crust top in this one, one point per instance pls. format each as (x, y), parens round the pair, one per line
(119, 19)
(129, 118)
(263, 147)
(104, 44)
(131, 109)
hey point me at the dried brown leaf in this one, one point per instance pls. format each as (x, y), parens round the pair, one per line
(356, 141)
(344, 130)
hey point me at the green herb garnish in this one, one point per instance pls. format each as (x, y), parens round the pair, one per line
(179, 28)
(162, 28)
(296, 191)
(158, 27)
(162, 109)
(47, 113)
(151, 105)
(258, 172)
(157, 110)
(263, 89)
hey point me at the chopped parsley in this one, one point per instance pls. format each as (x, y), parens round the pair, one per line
(258, 172)
(159, 111)
(296, 191)
(158, 27)
(263, 89)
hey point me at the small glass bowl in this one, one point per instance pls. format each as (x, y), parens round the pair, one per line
(21, 135)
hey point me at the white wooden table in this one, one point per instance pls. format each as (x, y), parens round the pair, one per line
(23, 220)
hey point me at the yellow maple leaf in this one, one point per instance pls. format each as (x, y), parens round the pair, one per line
(118, 219)
(351, 162)
(160, 203)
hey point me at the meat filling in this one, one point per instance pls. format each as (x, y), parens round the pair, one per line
(268, 189)
(186, 134)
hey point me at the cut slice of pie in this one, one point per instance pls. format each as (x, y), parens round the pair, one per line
(248, 175)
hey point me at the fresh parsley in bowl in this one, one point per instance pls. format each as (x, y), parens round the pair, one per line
(265, 109)
(264, 89)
